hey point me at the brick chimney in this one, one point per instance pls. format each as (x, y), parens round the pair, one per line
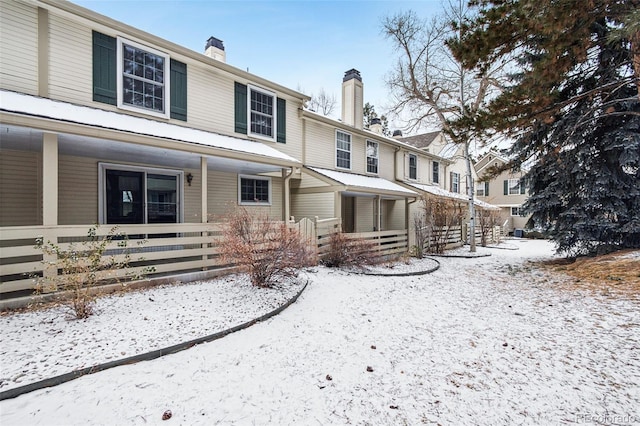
(352, 99)
(215, 49)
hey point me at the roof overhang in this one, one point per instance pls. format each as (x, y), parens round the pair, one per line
(359, 185)
(44, 114)
(432, 190)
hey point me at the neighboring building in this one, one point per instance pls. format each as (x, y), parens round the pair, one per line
(506, 190)
(448, 169)
(351, 172)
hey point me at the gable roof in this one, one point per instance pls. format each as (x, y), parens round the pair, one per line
(420, 141)
(488, 158)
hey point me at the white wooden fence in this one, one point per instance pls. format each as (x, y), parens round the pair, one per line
(167, 248)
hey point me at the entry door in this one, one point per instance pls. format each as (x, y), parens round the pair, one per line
(348, 214)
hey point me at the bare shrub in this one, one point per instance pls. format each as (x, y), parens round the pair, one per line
(347, 251)
(420, 231)
(442, 217)
(80, 267)
(487, 219)
(265, 249)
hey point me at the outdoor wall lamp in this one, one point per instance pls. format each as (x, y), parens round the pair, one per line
(189, 178)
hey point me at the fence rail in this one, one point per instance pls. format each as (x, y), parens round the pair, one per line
(167, 248)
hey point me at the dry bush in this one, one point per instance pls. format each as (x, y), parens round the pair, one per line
(420, 231)
(265, 249)
(442, 216)
(82, 266)
(347, 251)
(487, 220)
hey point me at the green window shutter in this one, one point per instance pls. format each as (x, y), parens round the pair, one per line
(506, 187)
(178, 83)
(104, 69)
(522, 186)
(282, 120)
(240, 108)
(486, 189)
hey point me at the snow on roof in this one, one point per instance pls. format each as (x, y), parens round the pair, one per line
(361, 181)
(64, 111)
(441, 192)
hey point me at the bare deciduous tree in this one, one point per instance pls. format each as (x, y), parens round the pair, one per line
(428, 83)
(322, 103)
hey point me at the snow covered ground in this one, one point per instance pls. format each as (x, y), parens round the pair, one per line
(488, 340)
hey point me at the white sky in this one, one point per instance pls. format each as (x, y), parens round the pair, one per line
(303, 45)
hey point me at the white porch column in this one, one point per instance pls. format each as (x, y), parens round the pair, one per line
(286, 194)
(49, 179)
(379, 218)
(204, 211)
(337, 205)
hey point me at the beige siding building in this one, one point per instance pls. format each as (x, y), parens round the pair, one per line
(506, 190)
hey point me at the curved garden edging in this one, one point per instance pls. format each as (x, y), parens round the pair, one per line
(462, 256)
(502, 248)
(148, 356)
(403, 274)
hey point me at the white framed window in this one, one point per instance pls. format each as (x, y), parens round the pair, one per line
(455, 182)
(343, 150)
(413, 166)
(135, 195)
(262, 113)
(517, 211)
(482, 189)
(254, 190)
(142, 79)
(372, 157)
(435, 172)
(514, 187)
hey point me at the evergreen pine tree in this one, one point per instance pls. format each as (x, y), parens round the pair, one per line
(572, 108)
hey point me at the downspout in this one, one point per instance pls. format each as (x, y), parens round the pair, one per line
(286, 194)
(395, 163)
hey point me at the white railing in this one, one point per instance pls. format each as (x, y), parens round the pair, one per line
(166, 248)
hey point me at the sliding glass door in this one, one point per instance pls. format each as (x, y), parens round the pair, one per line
(131, 195)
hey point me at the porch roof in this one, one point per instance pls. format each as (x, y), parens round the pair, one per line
(42, 108)
(441, 192)
(360, 184)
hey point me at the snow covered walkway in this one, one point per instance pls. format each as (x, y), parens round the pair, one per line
(480, 341)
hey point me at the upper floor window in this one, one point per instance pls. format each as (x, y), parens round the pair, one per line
(258, 112)
(142, 78)
(513, 187)
(482, 189)
(435, 178)
(455, 182)
(254, 190)
(343, 150)
(413, 167)
(372, 157)
(138, 78)
(262, 112)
